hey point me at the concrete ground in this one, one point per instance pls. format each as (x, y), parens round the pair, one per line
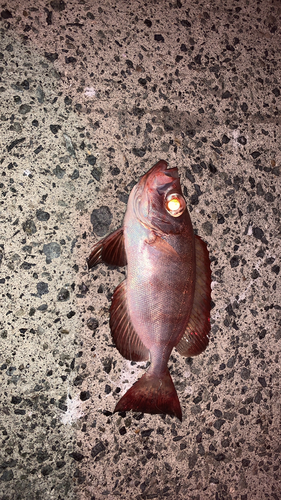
(92, 94)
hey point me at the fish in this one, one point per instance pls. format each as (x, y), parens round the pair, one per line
(165, 300)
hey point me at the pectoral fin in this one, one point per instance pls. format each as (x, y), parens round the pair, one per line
(123, 333)
(110, 250)
(196, 336)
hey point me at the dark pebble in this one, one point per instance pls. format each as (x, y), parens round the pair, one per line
(75, 174)
(245, 373)
(18, 411)
(269, 197)
(255, 154)
(38, 150)
(70, 314)
(55, 128)
(91, 159)
(123, 197)
(148, 23)
(218, 413)
(59, 172)
(29, 227)
(58, 5)
(255, 274)
(197, 169)
(275, 269)
(43, 307)
(221, 219)
(27, 265)
(6, 14)
(101, 220)
(212, 167)
(234, 261)
(258, 398)
(63, 295)
(107, 364)
(67, 101)
(115, 171)
(226, 95)
(262, 381)
(225, 139)
(92, 324)
(42, 288)
(60, 464)
(41, 215)
(158, 38)
(139, 152)
(16, 400)
(84, 395)
(219, 423)
(51, 56)
(98, 448)
(24, 109)
(189, 175)
(146, 432)
(207, 228)
(70, 60)
(242, 140)
(96, 173)
(7, 475)
(77, 456)
(258, 233)
(51, 250)
(46, 470)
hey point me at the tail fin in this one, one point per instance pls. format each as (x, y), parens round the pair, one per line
(152, 394)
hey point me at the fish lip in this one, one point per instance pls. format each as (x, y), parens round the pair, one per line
(169, 179)
(162, 166)
(172, 172)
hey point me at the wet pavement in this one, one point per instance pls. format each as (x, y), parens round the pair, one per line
(92, 95)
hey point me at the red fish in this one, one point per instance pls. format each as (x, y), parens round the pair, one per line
(165, 300)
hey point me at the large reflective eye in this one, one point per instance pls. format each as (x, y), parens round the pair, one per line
(175, 204)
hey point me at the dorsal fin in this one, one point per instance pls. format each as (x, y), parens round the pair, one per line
(196, 336)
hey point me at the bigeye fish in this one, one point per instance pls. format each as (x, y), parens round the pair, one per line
(165, 300)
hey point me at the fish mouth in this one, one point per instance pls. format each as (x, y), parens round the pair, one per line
(162, 166)
(172, 172)
(159, 179)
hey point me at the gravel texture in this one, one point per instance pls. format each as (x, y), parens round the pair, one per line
(92, 95)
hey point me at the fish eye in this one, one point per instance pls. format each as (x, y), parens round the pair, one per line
(175, 204)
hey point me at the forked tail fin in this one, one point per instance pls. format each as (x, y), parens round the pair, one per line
(152, 394)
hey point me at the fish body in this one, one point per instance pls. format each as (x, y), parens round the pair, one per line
(165, 300)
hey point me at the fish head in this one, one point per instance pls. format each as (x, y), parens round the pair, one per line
(158, 199)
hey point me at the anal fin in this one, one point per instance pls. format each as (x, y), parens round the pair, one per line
(123, 333)
(110, 250)
(196, 336)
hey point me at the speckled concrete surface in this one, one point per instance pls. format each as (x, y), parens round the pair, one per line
(92, 95)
